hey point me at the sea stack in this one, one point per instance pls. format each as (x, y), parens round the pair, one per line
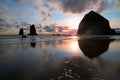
(32, 30)
(21, 32)
(94, 24)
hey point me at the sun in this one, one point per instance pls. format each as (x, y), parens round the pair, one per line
(74, 22)
(74, 46)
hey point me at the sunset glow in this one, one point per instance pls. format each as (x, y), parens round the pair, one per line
(55, 14)
(74, 46)
(74, 22)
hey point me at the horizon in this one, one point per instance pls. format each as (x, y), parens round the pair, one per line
(63, 15)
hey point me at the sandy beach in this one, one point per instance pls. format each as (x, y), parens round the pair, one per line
(60, 58)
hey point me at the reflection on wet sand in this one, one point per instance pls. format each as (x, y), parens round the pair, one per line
(94, 47)
(33, 44)
(58, 60)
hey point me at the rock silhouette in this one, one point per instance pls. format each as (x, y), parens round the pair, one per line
(32, 30)
(94, 24)
(94, 47)
(33, 44)
(21, 32)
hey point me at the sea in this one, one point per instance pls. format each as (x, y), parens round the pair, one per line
(60, 57)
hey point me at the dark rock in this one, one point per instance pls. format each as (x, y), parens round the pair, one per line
(94, 47)
(21, 32)
(24, 36)
(94, 24)
(32, 30)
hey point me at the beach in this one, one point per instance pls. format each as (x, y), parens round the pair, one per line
(60, 58)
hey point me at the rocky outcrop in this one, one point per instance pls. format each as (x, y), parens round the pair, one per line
(94, 24)
(32, 30)
(21, 32)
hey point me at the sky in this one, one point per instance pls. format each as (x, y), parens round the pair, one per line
(15, 14)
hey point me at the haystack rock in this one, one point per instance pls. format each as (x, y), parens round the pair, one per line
(32, 30)
(94, 24)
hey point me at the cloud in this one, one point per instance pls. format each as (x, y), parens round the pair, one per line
(117, 2)
(3, 10)
(10, 9)
(72, 6)
(19, 1)
(78, 6)
(46, 7)
(44, 15)
(49, 15)
(7, 24)
(43, 7)
(3, 25)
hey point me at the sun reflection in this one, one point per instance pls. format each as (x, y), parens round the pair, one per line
(74, 45)
(74, 37)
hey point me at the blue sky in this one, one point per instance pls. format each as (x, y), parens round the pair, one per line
(60, 12)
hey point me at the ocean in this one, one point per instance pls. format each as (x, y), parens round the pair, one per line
(52, 57)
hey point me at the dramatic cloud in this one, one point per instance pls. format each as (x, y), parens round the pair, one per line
(20, 1)
(46, 7)
(118, 2)
(41, 11)
(74, 6)
(78, 6)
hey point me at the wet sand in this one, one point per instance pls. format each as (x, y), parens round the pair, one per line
(60, 58)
